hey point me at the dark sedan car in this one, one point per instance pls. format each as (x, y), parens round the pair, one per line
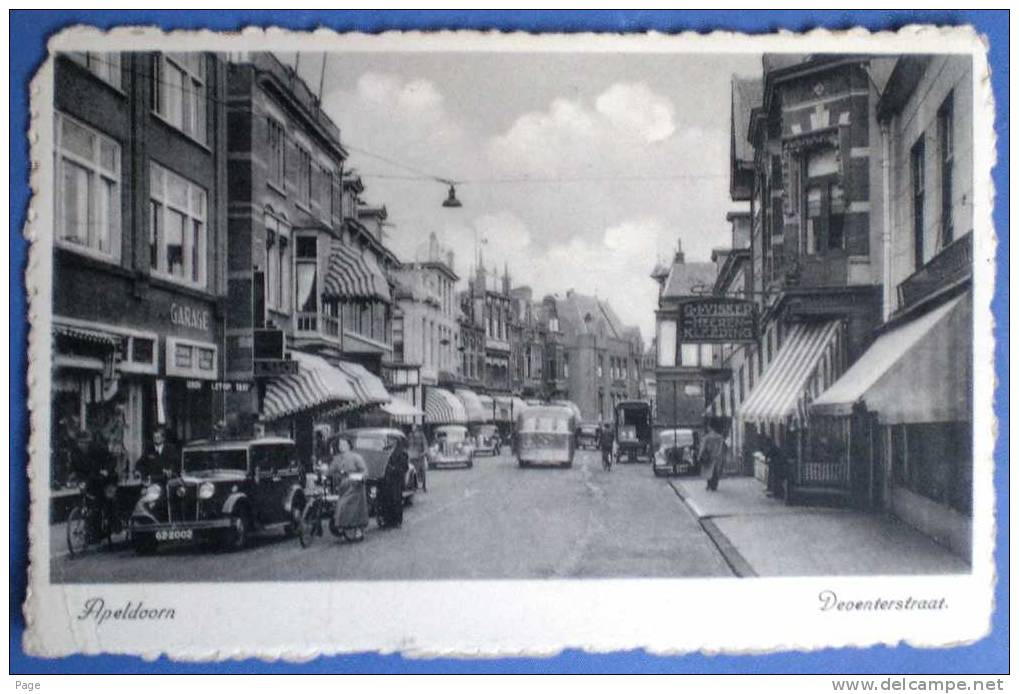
(588, 436)
(225, 490)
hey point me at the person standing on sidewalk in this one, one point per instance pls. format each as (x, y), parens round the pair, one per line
(776, 467)
(417, 446)
(712, 454)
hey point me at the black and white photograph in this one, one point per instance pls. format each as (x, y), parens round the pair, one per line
(493, 313)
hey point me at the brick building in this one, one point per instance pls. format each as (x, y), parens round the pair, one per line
(139, 247)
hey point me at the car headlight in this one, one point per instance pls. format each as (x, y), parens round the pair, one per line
(206, 490)
(152, 492)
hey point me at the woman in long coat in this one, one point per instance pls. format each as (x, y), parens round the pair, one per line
(351, 515)
(392, 486)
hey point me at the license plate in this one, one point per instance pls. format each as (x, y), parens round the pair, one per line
(175, 534)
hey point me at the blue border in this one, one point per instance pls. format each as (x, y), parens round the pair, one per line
(29, 31)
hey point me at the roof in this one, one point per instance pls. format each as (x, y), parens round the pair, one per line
(746, 94)
(684, 277)
(574, 308)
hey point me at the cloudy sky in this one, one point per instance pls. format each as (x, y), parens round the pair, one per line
(580, 171)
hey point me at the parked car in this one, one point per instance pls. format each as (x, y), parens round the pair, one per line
(588, 436)
(487, 439)
(676, 453)
(226, 489)
(451, 445)
(376, 445)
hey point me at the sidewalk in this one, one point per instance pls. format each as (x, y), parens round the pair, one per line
(760, 536)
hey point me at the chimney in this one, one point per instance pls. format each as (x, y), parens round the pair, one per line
(679, 259)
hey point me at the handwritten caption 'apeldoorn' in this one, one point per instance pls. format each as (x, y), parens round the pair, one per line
(95, 609)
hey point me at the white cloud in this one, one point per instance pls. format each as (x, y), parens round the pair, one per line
(635, 109)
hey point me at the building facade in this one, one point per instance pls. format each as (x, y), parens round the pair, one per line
(139, 251)
(910, 395)
(601, 355)
(426, 327)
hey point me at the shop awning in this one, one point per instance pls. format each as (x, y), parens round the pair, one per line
(354, 276)
(316, 384)
(368, 387)
(921, 371)
(784, 388)
(442, 407)
(398, 407)
(473, 406)
(86, 334)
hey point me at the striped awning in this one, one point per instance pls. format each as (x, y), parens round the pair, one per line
(442, 407)
(810, 359)
(402, 410)
(354, 276)
(86, 334)
(369, 387)
(316, 384)
(475, 409)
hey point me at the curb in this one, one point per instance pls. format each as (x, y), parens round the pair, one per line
(737, 563)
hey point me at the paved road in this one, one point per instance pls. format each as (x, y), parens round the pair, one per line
(493, 521)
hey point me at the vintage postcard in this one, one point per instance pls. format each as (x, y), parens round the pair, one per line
(492, 344)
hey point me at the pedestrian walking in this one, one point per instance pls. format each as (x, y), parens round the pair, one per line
(391, 493)
(775, 459)
(606, 442)
(712, 453)
(417, 446)
(159, 460)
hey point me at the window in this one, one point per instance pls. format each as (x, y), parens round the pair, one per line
(105, 66)
(666, 343)
(179, 92)
(946, 153)
(277, 263)
(689, 354)
(87, 189)
(306, 252)
(916, 164)
(277, 139)
(601, 365)
(177, 231)
(825, 204)
(303, 165)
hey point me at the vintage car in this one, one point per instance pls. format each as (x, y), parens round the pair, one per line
(545, 436)
(589, 436)
(487, 439)
(451, 445)
(676, 453)
(226, 489)
(376, 445)
(633, 429)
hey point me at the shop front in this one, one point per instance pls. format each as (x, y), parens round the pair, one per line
(904, 412)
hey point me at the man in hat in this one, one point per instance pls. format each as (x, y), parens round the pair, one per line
(160, 460)
(712, 453)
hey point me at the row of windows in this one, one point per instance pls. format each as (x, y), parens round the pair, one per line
(87, 197)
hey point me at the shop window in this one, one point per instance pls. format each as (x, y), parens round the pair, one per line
(105, 66)
(277, 141)
(87, 192)
(179, 92)
(946, 155)
(143, 350)
(916, 169)
(689, 354)
(935, 461)
(177, 229)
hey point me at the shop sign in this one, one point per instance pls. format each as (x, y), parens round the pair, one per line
(269, 344)
(188, 317)
(221, 386)
(268, 368)
(718, 320)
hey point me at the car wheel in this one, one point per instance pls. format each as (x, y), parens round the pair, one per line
(77, 531)
(654, 469)
(240, 530)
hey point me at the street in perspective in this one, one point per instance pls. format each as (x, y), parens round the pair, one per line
(336, 316)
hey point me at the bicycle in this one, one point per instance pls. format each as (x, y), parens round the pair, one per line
(93, 520)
